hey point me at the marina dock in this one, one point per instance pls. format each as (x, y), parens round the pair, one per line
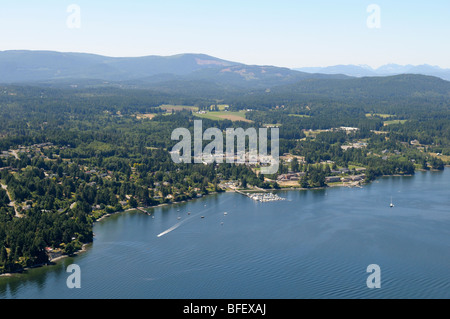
(262, 197)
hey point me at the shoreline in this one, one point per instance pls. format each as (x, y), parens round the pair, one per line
(358, 184)
(139, 209)
(83, 248)
(49, 263)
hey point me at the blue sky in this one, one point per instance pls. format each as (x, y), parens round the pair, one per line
(289, 33)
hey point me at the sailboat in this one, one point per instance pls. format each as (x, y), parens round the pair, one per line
(392, 204)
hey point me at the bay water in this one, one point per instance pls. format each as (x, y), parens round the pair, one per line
(314, 244)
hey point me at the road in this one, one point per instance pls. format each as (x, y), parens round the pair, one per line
(12, 204)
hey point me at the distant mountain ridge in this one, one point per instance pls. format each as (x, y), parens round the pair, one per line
(22, 66)
(385, 70)
(60, 67)
(200, 75)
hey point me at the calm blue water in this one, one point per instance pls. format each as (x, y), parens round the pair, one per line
(317, 244)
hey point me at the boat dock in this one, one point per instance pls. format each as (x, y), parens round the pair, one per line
(262, 197)
(265, 197)
(142, 210)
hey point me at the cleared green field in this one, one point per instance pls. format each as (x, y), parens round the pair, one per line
(383, 116)
(145, 116)
(170, 108)
(299, 115)
(218, 116)
(314, 133)
(386, 123)
(273, 125)
(221, 107)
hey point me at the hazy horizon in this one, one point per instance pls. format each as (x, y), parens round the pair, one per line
(218, 57)
(290, 34)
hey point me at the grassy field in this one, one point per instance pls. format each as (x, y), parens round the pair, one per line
(444, 158)
(386, 117)
(299, 115)
(145, 116)
(273, 125)
(169, 109)
(222, 107)
(386, 123)
(383, 116)
(314, 133)
(175, 108)
(218, 116)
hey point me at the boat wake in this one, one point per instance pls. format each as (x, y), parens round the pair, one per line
(170, 229)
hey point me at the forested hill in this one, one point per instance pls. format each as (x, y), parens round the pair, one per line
(164, 72)
(401, 95)
(407, 86)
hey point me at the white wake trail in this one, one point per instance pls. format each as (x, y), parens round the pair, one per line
(170, 229)
(180, 223)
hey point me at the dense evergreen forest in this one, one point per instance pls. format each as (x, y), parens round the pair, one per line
(70, 156)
